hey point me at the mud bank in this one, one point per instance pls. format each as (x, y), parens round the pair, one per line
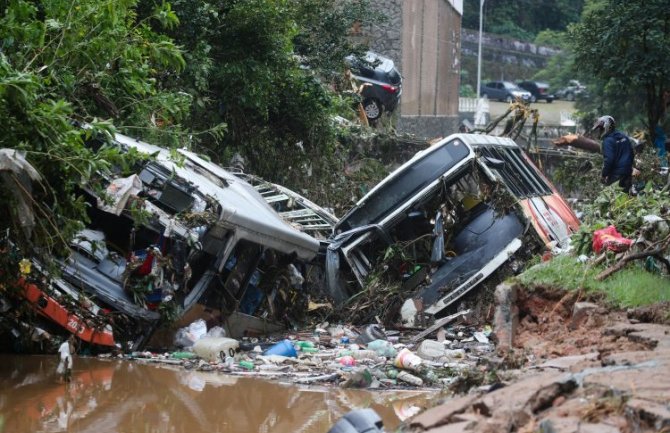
(582, 368)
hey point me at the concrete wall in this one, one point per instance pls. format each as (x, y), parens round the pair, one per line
(423, 37)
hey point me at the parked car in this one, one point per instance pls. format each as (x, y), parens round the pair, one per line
(504, 91)
(457, 211)
(538, 90)
(381, 80)
(572, 91)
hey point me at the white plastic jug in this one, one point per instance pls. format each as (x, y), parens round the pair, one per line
(215, 349)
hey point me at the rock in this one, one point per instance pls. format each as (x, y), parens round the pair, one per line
(573, 425)
(442, 414)
(572, 362)
(506, 318)
(655, 415)
(581, 312)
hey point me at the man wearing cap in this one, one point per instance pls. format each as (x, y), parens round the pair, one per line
(617, 153)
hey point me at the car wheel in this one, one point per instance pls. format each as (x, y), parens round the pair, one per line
(549, 101)
(533, 98)
(373, 109)
(509, 98)
(570, 96)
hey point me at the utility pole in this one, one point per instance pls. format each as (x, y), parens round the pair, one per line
(479, 51)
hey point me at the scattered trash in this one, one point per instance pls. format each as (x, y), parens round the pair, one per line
(481, 337)
(371, 333)
(283, 348)
(408, 360)
(610, 239)
(186, 337)
(358, 379)
(410, 378)
(359, 421)
(348, 361)
(383, 348)
(431, 350)
(213, 349)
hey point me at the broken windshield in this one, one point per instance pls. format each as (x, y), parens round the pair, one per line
(416, 176)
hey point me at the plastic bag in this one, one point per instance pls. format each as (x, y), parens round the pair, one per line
(609, 238)
(216, 332)
(119, 191)
(186, 337)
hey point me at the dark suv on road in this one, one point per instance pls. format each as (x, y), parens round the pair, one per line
(504, 91)
(384, 88)
(538, 91)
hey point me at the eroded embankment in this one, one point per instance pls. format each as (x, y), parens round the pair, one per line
(584, 368)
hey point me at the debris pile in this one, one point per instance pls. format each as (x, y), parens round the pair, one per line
(369, 357)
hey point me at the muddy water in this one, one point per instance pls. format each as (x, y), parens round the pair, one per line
(121, 396)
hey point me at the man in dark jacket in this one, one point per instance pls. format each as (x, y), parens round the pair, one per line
(617, 153)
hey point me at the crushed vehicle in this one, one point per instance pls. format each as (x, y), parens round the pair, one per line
(458, 211)
(177, 239)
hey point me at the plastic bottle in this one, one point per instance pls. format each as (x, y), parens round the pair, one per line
(408, 360)
(214, 349)
(410, 378)
(304, 345)
(183, 355)
(247, 365)
(364, 354)
(383, 348)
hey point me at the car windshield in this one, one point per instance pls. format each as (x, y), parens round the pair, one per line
(512, 86)
(401, 188)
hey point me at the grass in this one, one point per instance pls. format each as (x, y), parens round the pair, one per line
(630, 287)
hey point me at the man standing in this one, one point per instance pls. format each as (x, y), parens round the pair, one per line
(65, 353)
(617, 153)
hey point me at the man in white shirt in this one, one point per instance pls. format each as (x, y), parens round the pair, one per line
(65, 365)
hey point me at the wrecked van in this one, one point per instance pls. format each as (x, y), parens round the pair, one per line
(177, 239)
(457, 211)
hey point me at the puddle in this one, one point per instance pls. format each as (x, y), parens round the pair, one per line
(122, 396)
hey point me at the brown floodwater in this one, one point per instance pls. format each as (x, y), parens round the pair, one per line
(124, 396)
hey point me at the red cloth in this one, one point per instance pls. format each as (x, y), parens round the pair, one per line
(609, 238)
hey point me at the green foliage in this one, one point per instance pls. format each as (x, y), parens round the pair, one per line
(522, 19)
(630, 287)
(65, 60)
(263, 67)
(552, 38)
(626, 45)
(324, 32)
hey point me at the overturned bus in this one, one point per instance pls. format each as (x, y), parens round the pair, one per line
(181, 238)
(457, 211)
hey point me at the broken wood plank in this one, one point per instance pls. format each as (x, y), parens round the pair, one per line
(438, 324)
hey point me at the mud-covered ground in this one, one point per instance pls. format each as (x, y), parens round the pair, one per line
(581, 368)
